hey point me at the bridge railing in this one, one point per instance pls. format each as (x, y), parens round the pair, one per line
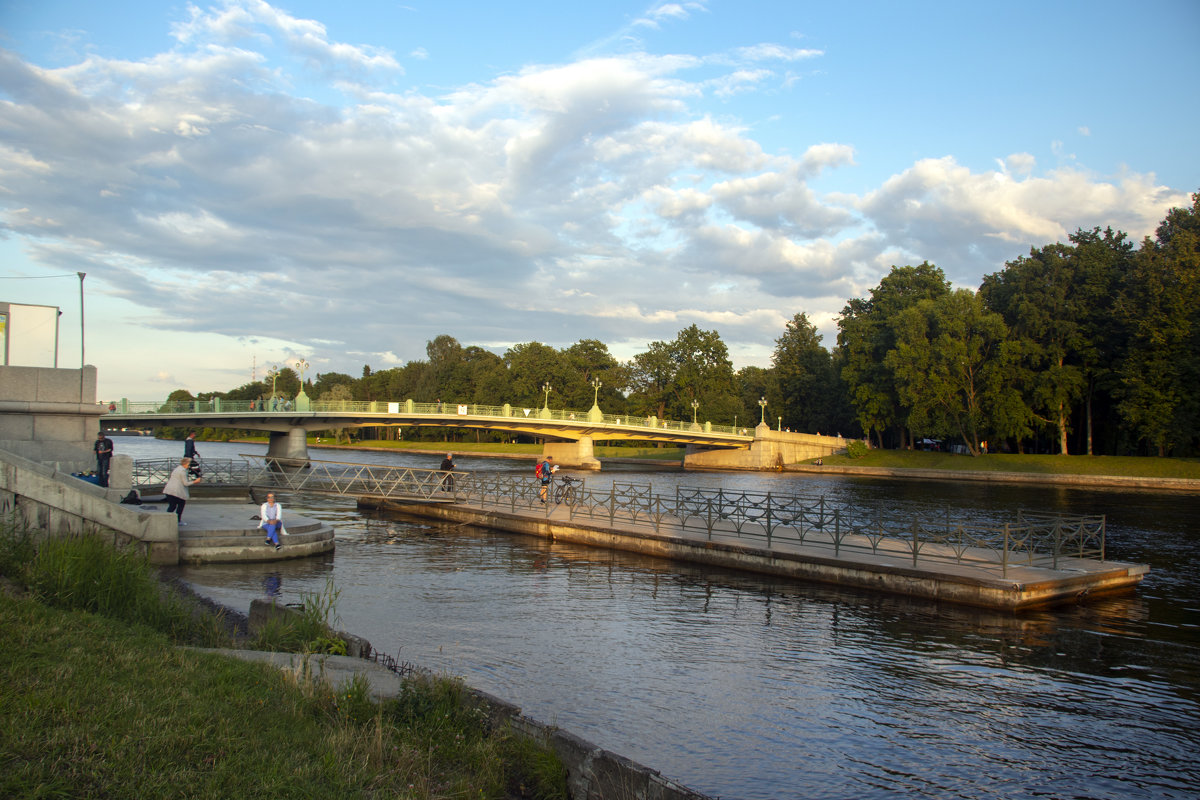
(434, 410)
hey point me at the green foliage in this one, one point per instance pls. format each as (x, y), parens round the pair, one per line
(87, 573)
(17, 551)
(214, 726)
(857, 449)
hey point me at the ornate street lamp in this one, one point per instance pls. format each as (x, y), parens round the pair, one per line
(762, 401)
(547, 388)
(302, 402)
(695, 406)
(595, 414)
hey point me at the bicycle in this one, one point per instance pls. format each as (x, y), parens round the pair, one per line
(565, 491)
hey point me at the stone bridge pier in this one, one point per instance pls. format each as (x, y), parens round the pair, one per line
(769, 450)
(290, 447)
(576, 455)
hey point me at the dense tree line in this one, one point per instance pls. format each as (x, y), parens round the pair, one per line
(1090, 346)
(1087, 346)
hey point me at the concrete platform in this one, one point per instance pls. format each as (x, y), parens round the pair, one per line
(937, 575)
(217, 532)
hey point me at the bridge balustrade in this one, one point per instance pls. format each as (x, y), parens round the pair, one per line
(440, 410)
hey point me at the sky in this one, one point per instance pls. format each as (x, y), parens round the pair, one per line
(248, 184)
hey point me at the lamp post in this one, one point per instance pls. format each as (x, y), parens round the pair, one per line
(780, 423)
(547, 388)
(302, 403)
(762, 402)
(273, 373)
(735, 423)
(695, 405)
(595, 414)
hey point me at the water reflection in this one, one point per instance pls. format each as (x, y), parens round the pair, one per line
(750, 687)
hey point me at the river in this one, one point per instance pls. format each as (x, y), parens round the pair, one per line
(747, 687)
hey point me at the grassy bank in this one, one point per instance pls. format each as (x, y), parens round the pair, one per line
(1130, 466)
(98, 700)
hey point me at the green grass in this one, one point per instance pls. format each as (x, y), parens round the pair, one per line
(1132, 466)
(97, 700)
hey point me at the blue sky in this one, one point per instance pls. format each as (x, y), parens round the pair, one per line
(248, 184)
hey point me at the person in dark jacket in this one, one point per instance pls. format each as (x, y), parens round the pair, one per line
(104, 450)
(447, 466)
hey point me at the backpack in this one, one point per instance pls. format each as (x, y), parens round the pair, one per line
(538, 469)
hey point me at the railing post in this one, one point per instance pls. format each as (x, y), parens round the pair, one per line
(915, 542)
(768, 519)
(1004, 555)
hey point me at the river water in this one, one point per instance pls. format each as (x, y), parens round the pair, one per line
(741, 686)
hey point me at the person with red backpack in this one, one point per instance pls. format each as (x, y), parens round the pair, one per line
(543, 471)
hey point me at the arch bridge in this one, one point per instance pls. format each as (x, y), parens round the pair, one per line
(568, 435)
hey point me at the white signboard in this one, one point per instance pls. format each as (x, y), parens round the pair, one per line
(29, 335)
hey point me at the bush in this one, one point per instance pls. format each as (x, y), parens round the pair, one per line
(857, 449)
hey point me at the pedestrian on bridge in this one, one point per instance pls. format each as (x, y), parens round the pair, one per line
(176, 489)
(447, 466)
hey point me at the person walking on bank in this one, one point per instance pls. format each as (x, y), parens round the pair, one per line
(176, 489)
(271, 516)
(447, 466)
(189, 446)
(104, 450)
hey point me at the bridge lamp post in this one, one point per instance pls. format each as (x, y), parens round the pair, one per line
(762, 402)
(595, 414)
(547, 388)
(273, 373)
(302, 403)
(695, 407)
(781, 423)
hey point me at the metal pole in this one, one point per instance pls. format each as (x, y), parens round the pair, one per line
(82, 359)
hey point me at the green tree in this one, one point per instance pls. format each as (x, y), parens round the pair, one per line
(753, 385)
(948, 363)
(867, 333)
(803, 377)
(532, 365)
(1160, 309)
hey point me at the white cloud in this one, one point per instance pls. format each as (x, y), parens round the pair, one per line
(600, 197)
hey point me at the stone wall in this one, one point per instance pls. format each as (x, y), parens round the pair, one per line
(53, 503)
(769, 450)
(50, 415)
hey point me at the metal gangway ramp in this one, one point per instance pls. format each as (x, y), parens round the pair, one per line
(353, 480)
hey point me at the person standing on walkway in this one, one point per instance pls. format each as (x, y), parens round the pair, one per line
(104, 450)
(176, 489)
(189, 446)
(547, 469)
(448, 479)
(270, 515)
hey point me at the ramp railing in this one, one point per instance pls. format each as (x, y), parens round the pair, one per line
(768, 518)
